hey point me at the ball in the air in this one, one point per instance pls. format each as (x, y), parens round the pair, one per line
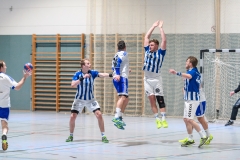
(28, 67)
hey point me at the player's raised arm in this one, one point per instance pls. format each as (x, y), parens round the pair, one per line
(149, 33)
(163, 36)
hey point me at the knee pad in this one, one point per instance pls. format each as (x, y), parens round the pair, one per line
(98, 109)
(235, 107)
(160, 101)
(237, 104)
(123, 95)
(74, 111)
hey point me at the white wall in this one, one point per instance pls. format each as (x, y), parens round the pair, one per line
(230, 21)
(114, 16)
(136, 16)
(43, 17)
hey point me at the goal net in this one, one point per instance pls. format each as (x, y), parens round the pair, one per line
(220, 69)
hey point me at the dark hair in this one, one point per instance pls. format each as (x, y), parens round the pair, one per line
(82, 62)
(193, 60)
(121, 45)
(1, 63)
(155, 41)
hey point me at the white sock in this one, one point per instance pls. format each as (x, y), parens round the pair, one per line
(190, 137)
(207, 132)
(120, 114)
(117, 112)
(163, 116)
(156, 116)
(103, 134)
(201, 134)
(71, 134)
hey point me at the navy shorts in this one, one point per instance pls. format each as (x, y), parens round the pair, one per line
(4, 113)
(201, 109)
(121, 86)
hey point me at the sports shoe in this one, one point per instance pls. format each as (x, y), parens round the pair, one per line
(165, 124)
(70, 139)
(118, 121)
(119, 126)
(229, 123)
(4, 142)
(183, 140)
(158, 123)
(210, 138)
(187, 143)
(123, 123)
(104, 139)
(203, 141)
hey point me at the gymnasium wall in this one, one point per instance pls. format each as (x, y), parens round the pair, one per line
(187, 23)
(101, 16)
(93, 16)
(15, 50)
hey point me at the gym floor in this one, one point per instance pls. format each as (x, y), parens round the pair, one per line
(41, 135)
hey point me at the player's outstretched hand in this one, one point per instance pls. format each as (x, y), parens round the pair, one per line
(172, 71)
(27, 73)
(116, 78)
(155, 24)
(160, 24)
(232, 93)
(87, 75)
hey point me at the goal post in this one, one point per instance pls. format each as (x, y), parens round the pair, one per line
(220, 70)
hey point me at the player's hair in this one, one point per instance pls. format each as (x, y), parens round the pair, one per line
(121, 45)
(1, 63)
(193, 60)
(155, 41)
(82, 62)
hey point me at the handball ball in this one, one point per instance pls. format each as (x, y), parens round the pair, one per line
(28, 67)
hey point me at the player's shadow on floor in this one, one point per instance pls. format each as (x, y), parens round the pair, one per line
(12, 151)
(170, 141)
(129, 144)
(87, 140)
(229, 146)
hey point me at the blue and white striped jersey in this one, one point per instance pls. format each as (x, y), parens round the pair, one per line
(86, 87)
(191, 86)
(6, 83)
(153, 60)
(120, 64)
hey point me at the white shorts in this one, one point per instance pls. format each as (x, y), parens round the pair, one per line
(153, 86)
(190, 109)
(79, 104)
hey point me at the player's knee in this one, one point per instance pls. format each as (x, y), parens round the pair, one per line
(187, 120)
(160, 101)
(4, 124)
(200, 119)
(73, 116)
(98, 113)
